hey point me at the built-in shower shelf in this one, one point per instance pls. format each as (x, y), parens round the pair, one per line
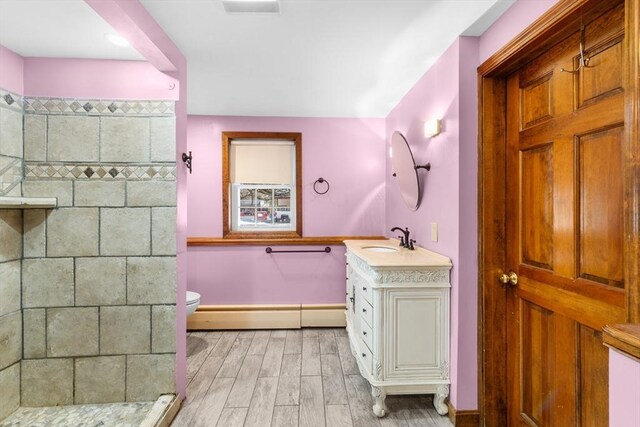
(28, 202)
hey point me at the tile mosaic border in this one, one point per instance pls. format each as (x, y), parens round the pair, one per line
(100, 171)
(10, 174)
(10, 100)
(99, 107)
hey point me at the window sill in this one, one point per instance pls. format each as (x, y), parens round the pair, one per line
(320, 240)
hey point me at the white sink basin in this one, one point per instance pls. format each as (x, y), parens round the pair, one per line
(389, 253)
(384, 249)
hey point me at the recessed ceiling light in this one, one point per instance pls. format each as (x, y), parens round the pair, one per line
(251, 6)
(117, 39)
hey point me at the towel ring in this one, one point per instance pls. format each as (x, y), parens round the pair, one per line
(321, 181)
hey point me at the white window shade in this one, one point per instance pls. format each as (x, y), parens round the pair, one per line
(262, 162)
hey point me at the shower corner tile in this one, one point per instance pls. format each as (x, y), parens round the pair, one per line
(99, 193)
(73, 138)
(35, 137)
(62, 190)
(47, 382)
(149, 376)
(100, 379)
(47, 282)
(151, 193)
(72, 232)
(9, 390)
(163, 327)
(10, 132)
(125, 231)
(125, 330)
(10, 287)
(101, 281)
(163, 139)
(151, 280)
(11, 339)
(34, 335)
(163, 231)
(34, 238)
(124, 139)
(10, 234)
(66, 325)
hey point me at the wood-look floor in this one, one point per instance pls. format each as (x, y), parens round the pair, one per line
(305, 377)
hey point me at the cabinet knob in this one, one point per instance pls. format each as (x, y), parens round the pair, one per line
(364, 354)
(364, 288)
(364, 333)
(364, 310)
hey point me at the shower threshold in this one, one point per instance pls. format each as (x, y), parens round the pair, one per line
(129, 414)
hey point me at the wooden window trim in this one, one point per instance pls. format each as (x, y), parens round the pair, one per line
(227, 232)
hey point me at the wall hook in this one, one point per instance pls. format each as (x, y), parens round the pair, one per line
(583, 62)
(320, 181)
(187, 160)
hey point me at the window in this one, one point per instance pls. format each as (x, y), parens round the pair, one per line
(261, 179)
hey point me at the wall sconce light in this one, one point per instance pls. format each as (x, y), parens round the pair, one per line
(432, 128)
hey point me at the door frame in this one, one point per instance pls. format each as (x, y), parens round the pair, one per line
(558, 22)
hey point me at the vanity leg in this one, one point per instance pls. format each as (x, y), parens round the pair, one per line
(379, 407)
(438, 400)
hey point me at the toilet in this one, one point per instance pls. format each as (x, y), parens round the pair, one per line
(193, 301)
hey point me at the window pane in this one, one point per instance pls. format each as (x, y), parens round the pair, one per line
(247, 217)
(247, 197)
(263, 208)
(265, 197)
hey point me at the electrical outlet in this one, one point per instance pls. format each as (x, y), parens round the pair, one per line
(434, 232)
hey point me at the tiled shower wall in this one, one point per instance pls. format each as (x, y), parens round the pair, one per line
(99, 272)
(10, 253)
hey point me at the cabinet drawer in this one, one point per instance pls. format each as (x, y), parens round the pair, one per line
(365, 291)
(366, 334)
(366, 312)
(366, 356)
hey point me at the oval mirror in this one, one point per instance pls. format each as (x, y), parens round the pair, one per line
(404, 171)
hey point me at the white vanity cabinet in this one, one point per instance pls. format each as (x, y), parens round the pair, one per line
(398, 319)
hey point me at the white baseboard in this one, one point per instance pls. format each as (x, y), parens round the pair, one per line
(289, 316)
(325, 315)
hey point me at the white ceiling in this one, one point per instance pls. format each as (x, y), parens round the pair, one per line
(58, 28)
(316, 58)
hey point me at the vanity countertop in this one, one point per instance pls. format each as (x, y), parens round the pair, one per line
(388, 253)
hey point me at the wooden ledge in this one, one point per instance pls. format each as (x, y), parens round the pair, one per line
(320, 240)
(624, 338)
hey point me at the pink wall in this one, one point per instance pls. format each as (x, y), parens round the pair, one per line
(247, 275)
(446, 92)
(348, 153)
(624, 390)
(511, 23)
(11, 71)
(91, 78)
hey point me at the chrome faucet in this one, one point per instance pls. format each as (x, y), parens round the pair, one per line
(405, 242)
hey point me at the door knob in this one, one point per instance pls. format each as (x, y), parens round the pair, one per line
(511, 278)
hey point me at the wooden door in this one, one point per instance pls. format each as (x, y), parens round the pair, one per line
(564, 219)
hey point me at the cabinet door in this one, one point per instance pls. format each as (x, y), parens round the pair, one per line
(417, 334)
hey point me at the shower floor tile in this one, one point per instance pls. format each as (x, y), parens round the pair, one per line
(112, 414)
